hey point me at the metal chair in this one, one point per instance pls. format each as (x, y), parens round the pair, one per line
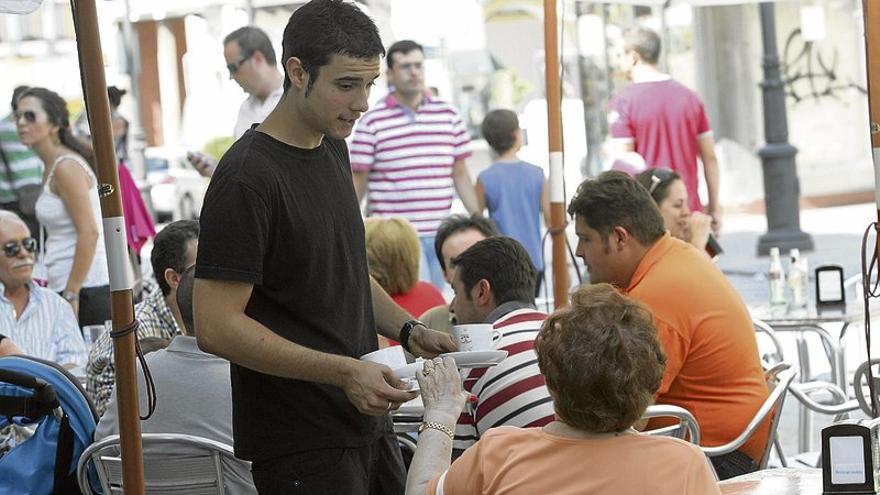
(200, 471)
(860, 386)
(764, 330)
(686, 429)
(779, 377)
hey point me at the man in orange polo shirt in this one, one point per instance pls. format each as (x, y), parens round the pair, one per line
(712, 368)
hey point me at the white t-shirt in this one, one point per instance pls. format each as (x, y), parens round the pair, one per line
(253, 111)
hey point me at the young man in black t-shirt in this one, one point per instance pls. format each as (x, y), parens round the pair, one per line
(282, 287)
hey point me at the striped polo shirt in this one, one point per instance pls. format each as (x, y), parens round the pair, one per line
(512, 393)
(409, 156)
(25, 165)
(46, 329)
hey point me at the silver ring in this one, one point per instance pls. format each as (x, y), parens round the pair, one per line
(388, 409)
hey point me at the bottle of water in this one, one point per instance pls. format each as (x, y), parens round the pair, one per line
(797, 279)
(776, 276)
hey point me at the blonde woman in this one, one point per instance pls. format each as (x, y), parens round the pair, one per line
(393, 253)
(68, 207)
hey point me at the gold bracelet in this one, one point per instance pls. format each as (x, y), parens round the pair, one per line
(437, 426)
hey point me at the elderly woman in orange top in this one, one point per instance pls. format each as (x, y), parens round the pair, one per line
(603, 363)
(393, 255)
(669, 192)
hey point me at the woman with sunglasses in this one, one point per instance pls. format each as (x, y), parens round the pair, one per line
(669, 192)
(68, 207)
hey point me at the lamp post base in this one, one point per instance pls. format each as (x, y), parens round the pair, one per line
(785, 240)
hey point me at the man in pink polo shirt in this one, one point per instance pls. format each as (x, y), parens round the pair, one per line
(664, 121)
(408, 154)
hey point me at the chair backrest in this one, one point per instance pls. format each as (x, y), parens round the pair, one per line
(764, 332)
(779, 379)
(686, 429)
(861, 389)
(173, 463)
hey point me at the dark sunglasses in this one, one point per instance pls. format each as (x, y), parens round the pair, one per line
(28, 115)
(233, 67)
(12, 248)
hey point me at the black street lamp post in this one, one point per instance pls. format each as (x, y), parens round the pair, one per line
(781, 186)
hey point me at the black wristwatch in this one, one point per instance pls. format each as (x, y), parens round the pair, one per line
(406, 330)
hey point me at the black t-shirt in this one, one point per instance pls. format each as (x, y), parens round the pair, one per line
(287, 220)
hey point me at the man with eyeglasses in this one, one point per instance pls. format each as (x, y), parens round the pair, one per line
(35, 318)
(408, 154)
(21, 171)
(251, 62)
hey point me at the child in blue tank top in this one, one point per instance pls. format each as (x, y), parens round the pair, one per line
(514, 191)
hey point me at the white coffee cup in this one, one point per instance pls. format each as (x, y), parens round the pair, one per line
(475, 336)
(393, 357)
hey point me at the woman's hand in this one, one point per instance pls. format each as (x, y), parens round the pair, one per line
(440, 385)
(701, 225)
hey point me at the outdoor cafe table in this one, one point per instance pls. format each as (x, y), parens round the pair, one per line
(781, 481)
(811, 319)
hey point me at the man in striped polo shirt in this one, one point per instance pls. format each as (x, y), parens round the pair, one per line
(20, 165)
(408, 154)
(494, 282)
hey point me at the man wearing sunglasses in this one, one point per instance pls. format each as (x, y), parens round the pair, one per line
(37, 319)
(251, 61)
(21, 171)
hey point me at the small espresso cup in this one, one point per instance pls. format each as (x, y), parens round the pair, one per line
(393, 357)
(475, 336)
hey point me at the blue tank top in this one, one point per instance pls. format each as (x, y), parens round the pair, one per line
(513, 196)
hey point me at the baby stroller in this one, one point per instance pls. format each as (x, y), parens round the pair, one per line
(42, 394)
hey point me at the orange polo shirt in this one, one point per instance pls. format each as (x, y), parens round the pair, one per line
(712, 364)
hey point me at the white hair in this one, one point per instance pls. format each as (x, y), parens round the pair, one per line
(7, 216)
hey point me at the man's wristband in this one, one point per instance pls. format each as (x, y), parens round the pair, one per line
(406, 331)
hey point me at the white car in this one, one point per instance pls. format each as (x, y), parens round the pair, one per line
(177, 189)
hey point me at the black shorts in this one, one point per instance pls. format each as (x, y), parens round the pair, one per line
(375, 469)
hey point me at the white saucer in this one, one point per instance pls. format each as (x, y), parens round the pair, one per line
(476, 359)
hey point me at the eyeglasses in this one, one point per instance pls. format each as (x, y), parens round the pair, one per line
(29, 115)
(12, 248)
(234, 66)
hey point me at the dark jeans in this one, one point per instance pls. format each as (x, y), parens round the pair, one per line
(733, 464)
(375, 469)
(94, 305)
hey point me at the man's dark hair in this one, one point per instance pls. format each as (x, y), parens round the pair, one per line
(402, 47)
(643, 41)
(499, 129)
(185, 299)
(252, 39)
(323, 28)
(615, 199)
(169, 249)
(114, 95)
(16, 94)
(505, 263)
(459, 223)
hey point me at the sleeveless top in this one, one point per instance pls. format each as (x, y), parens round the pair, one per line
(513, 197)
(61, 233)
